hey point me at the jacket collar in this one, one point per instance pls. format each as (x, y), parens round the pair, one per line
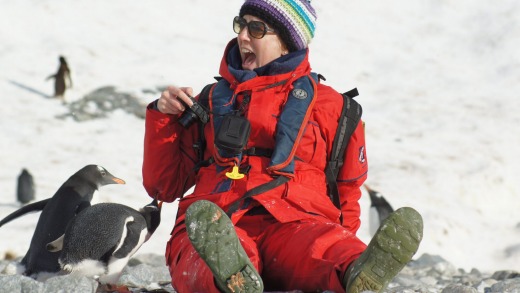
(290, 66)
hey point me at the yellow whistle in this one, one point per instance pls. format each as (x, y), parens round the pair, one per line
(234, 174)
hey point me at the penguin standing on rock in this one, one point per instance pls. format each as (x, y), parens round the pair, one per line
(380, 209)
(100, 240)
(71, 198)
(25, 187)
(60, 79)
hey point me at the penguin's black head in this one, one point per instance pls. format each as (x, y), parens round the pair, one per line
(152, 214)
(98, 175)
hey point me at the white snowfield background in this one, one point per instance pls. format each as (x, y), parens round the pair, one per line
(439, 82)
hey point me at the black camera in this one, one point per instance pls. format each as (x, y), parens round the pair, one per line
(192, 114)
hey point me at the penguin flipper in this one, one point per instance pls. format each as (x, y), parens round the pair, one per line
(82, 205)
(33, 207)
(380, 203)
(56, 245)
(129, 240)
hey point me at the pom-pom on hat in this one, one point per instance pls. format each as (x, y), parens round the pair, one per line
(294, 20)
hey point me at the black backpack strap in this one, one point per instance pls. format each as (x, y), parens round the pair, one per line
(348, 121)
(204, 95)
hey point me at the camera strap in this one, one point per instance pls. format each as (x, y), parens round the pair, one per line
(200, 145)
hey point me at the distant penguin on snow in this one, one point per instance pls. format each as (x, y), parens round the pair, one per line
(380, 209)
(100, 240)
(61, 78)
(71, 198)
(25, 187)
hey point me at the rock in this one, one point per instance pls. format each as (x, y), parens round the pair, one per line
(428, 280)
(149, 273)
(68, 283)
(485, 285)
(504, 275)
(469, 279)
(102, 101)
(11, 267)
(145, 276)
(457, 288)
(410, 281)
(148, 258)
(507, 286)
(19, 283)
(432, 265)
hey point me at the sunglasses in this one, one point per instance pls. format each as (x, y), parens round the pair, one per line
(255, 29)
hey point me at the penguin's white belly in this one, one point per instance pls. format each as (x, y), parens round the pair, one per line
(116, 265)
(86, 267)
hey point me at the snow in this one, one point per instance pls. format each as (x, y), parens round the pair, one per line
(438, 81)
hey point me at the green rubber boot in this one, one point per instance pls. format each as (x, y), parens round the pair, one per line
(391, 248)
(213, 236)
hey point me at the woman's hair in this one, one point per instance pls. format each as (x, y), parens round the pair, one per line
(294, 20)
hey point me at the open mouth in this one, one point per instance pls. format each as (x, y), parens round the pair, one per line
(248, 59)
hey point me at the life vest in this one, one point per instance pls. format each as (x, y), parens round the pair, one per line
(290, 126)
(301, 90)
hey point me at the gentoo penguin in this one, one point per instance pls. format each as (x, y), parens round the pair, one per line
(72, 197)
(100, 240)
(380, 209)
(25, 187)
(60, 79)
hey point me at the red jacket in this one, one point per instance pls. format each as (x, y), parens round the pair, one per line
(169, 155)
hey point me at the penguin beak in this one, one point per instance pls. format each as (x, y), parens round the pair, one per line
(156, 203)
(118, 180)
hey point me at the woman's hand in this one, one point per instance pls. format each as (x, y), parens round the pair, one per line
(169, 102)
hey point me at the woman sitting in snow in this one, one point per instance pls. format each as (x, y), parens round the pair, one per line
(260, 214)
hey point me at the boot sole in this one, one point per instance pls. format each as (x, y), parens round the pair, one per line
(391, 248)
(213, 236)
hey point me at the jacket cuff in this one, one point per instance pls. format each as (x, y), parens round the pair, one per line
(153, 106)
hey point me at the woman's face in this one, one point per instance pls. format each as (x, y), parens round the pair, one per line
(258, 52)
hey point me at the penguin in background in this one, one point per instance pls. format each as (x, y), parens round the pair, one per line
(72, 197)
(380, 209)
(60, 79)
(100, 240)
(25, 187)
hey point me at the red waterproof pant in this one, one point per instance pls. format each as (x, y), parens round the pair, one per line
(309, 255)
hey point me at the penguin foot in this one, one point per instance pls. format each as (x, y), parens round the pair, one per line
(214, 238)
(103, 288)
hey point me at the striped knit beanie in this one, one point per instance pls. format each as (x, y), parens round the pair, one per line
(294, 20)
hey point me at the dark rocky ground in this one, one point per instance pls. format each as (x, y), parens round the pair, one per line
(147, 273)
